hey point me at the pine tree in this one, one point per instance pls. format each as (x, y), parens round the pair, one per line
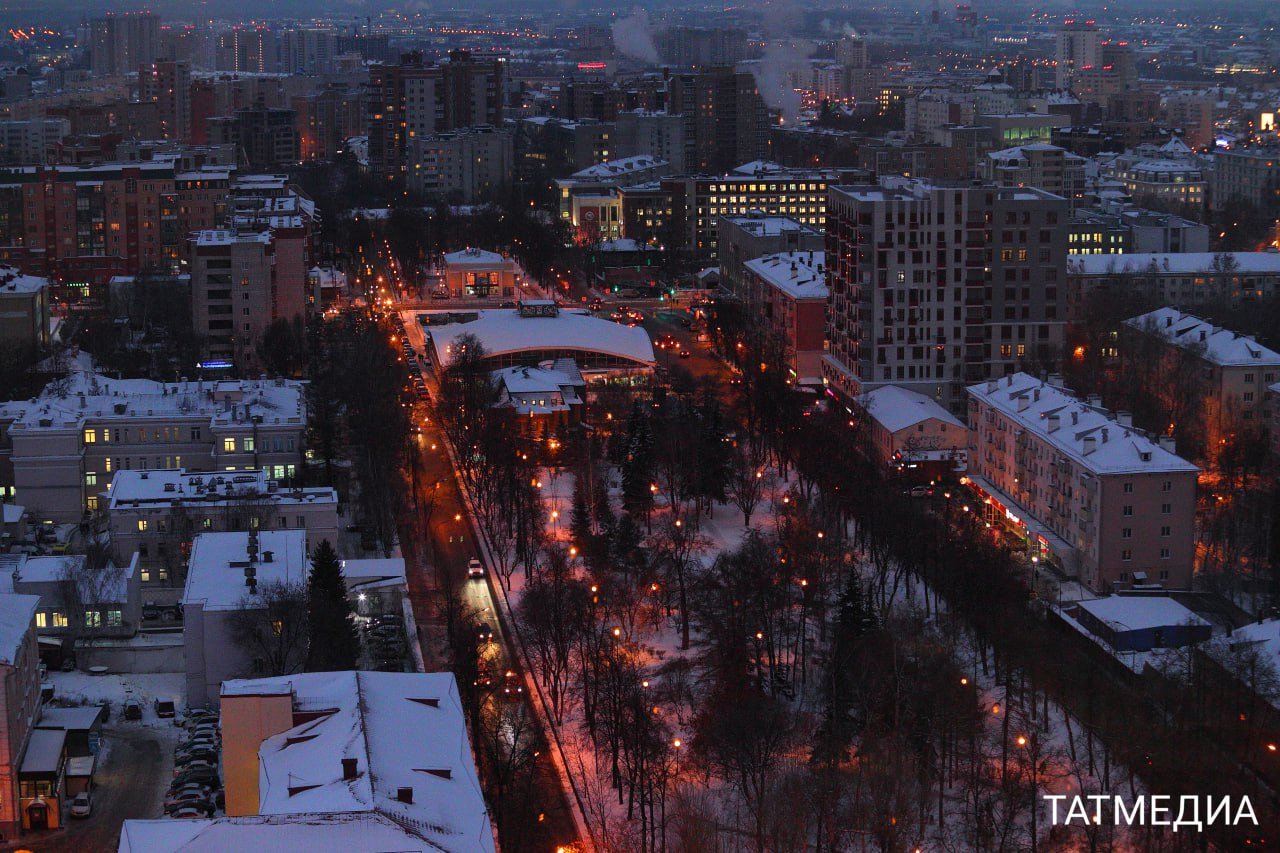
(334, 644)
(580, 515)
(637, 468)
(853, 621)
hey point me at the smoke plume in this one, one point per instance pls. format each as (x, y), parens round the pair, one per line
(633, 37)
(785, 62)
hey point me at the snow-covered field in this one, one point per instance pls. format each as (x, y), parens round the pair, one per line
(144, 688)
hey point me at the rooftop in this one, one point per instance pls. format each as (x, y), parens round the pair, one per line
(216, 568)
(896, 408)
(12, 281)
(474, 257)
(1245, 263)
(1139, 612)
(365, 716)
(294, 833)
(165, 487)
(800, 275)
(1220, 346)
(16, 615)
(1083, 432)
(505, 332)
(619, 168)
(768, 226)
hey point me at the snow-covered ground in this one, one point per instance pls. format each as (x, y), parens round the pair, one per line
(143, 688)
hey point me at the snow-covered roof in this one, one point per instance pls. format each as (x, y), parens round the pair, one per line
(622, 244)
(13, 281)
(81, 718)
(1079, 431)
(16, 615)
(896, 408)
(535, 380)
(1181, 263)
(474, 257)
(767, 226)
(295, 833)
(1139, 612)
(225, 237)
(44, 751)
(1220, 346)
(504, 331)
(800, 275)
(373, 571)
(215, 570)
(113, 588)
(404, 730)
(759, 167)
(133, 489)
(13, 513)
(619, 168)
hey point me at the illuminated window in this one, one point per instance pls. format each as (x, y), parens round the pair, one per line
(59, 619)
(248, 444)
(42, 619)
(91, 436)
(229, 445)
(142, 525)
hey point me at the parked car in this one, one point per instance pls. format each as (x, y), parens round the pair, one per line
(484, 633)
(188, 812)
(81, 806)
(439, 294)
(206, 754)
(132, 711)
(165, 709)
(200, 775)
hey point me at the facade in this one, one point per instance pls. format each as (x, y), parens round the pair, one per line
(24, 311)
(1079, 45)
(545, 399)
(120, 42)
(914, 435)
(1247, 174)
(1140, 623)
(1043, 166)
(233, 292)
(20, 699)
(462, 166)
(657, 134)
(725, 119)
(31, 141)
(65, 446)
(78, 602)
(1115, 229)
(1092, 494)
(744, 238)
(224, 576)
(787, 294)
(1185, 278)
(585, 195)
(167, 83)
(1236, 368)
(156, 514)
(477, 272)
(935, 286)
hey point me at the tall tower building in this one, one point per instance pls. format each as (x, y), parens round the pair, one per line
(934, 287)
(121, 42)
(167, 83)
(1079, 47)
(726, 122)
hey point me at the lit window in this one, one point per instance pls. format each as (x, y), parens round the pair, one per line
(42, 619)
(142, 525)
(91, 436)
(248, 444)
(229, 445)
(59, 619)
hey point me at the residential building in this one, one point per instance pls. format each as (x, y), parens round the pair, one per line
(1087, 492)
(1185, 278)
(24, 311)
(1112, 74)
(478, 272)
(415, 98)
(121, 42)
(1247, 174)
(545, 399)
(1170, 175)
(155, 514)
(318, 831)
(1235, 368)
(31, 141)
(1117, 229)
(1047, 167)
(655, 133)
(267, 136)
(549, 147)
(78, 601)
(754, 235)
(1009, 130)
(934, 286)
(225, 576)
(167, 83)
(914, 435)
(726, 122)
(463, 166)
(65, 446)
(234, 293)
(786, 293)
(1079, 46)
(19, 710)
(584, 194)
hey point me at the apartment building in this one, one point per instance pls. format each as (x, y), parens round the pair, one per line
(1236, 369)
(1183, 278)
(1086, 491)
(914, 435)
(463, 166)
(1247, 174)
(167, 83)
(63, 448)
(936, 286)
(156, 514)
(233, 292)
(745, 238)
(31, 141)
(1047, 167)
(19, 710)
(24, 310)
(786, 293)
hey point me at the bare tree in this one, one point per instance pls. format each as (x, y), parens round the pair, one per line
(88, 585)
(270, 625)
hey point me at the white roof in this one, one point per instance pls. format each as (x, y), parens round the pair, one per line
(1138, 612)
(300, 833)
(215, 570)
(1115, 449)
(474, 257)
(59, 568)
(1218, 345)
(373, 571)
(224, 237)
(13, 513)
(619, 168)
(798, 274)
(535, 380)
(1177, 263)
(767, 226)
(16, 615)
(13, 281)
(504, 331)
(896, 408)
(133, 489)
(44, 751)
(402, 729)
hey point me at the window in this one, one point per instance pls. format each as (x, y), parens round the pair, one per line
(228, 445)
(90, 478)
(248, 443)
(93, 618)
(91, 436)
(1248, 377)
(114, 618)
(195, 433)
(1128, 488)
(302, 521)
(1127, 511)
(1164, 553)
(1124, 576)
(1126, 555)
(91, 503)
(1166, 486)
(107, 464)
(142, 525)
(59, 619)
(1164, 574)
(1248, 396)
(1126, 533)
(1166, 530)
(1165, 509)
(42, 619)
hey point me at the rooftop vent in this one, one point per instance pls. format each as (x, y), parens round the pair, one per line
(349, 771)
(404, 795)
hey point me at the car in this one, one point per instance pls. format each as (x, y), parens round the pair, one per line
(475, 569)
(597, 304)
(484, 633)
(439, 294)
(513, 687)
(81, 806)
(189, 812)
(920, 491)
(178, 797)
(132, 711)
(205, 741)
(165, 709)
(509, 304)
(204, 757)
(201, 776)
(684, 353)
(205, 729)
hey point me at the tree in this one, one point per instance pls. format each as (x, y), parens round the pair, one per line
(270, 626)
(333, 644)
(86, 585)
(748, 480)
(637, 467)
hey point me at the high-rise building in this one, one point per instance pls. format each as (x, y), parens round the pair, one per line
(658, 134)
(1079, 44)
(308, 50)
(1248, 174)
(233, 288)
(936, 286)
(726, 122)
(267, 136)
(415, 98)
(464, 166)
(851, 52)
(251, 50)
(167, 83)
(120, 42)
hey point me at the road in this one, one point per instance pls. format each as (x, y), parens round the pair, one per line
(130, 784)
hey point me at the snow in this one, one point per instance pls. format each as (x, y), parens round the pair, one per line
(1136, 613)
(797, 274)
(14, 282)
(1220, 346)
(1087, 435)
(44, 751)
(618, 168)
(144, 688)
(896, 408)
(164, 487)
(367, 717)
(477, 258)
(505, 331)
(215, 572)
(302, 833)
(1182, 263)
(373, 572)
(16, 614)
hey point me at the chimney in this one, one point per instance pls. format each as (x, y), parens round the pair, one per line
(404, 795)
(252, 584)
(1075, 418)
(1090, 444)
(1095, 400)
(1105, 435)
(268, 556)
(348, 769)
(1023, 403)
(1054, 422)
(1037, 395)
(251, 549)
(1168, 443)
(1124, 418)
(992, 385)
